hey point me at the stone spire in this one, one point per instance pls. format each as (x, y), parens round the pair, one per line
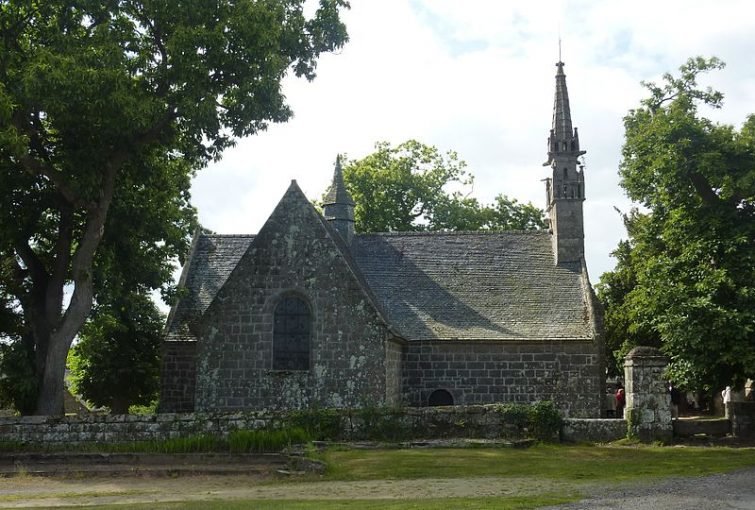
(565, 189)
(563, 138)
(338, 206)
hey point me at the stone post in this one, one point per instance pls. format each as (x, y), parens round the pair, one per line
(648, 404)
(742, 416)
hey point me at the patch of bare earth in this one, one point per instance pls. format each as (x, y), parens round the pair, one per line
(34, 492)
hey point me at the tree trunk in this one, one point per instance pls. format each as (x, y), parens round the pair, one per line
(50, 400)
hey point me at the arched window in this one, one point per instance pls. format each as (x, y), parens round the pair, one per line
(566, 173)
(291, 334)
(440, 398)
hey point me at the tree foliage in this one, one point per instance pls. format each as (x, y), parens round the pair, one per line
(686, 276)
(116, 361)
(415, 187)
(106, 109)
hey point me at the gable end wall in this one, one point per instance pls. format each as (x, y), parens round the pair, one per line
(293, 253)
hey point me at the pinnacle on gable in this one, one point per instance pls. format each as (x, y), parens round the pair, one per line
(338, 206)
(337, 193)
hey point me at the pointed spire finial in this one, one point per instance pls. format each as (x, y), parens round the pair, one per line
(337, 193)
(338, 206)
(563, 137)
(562, 126)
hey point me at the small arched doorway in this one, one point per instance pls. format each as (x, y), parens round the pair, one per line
(440, 398)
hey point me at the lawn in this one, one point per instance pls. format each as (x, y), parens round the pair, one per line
(556, 462)
(484, 478)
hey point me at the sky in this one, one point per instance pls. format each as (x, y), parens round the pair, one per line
(477, 77)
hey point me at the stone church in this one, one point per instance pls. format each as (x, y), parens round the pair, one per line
(310, 313)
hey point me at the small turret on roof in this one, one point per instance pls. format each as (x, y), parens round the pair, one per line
(338, 206)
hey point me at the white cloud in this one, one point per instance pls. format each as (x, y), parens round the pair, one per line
(477, 77)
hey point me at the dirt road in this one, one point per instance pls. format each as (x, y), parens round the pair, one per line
(733, 490)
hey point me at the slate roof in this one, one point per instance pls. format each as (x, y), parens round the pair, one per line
(466, 286)
(212, 259)
(474, 286)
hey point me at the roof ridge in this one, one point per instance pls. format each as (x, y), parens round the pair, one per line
(453, 232)
(230, 235)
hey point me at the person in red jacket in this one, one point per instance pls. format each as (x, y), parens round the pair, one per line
(620, 401)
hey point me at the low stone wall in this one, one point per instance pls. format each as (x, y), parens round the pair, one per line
(122, 428)
(742, 416)
(483, 421)
(578, 430)
(690, 427)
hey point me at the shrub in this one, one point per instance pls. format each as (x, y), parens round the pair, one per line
(515, 415)
(544, 421)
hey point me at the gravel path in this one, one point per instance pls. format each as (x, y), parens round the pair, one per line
(715, 492)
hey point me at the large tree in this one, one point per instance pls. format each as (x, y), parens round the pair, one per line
(623, 309)
(415, 187)
(99, 99)
(690, 256)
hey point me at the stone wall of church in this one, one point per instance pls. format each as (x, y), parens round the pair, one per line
(177, 377)
(566, 373)
(394, 354)
(294, 255)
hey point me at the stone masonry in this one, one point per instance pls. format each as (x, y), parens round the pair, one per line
(178, 376)
(648, 409)
(483, 373)
(418, 423)
(294, 254)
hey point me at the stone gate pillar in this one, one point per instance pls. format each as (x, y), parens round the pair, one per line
(648, 404)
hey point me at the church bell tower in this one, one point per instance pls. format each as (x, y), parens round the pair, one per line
(565, 188)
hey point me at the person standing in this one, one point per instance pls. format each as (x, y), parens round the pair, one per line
(620, 401)
(726, 396)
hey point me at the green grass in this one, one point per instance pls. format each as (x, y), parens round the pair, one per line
(499, 503)
(568, 463)
(564, 473)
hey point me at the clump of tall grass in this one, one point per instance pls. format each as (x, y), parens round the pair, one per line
(266, 440)
(202, 443)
